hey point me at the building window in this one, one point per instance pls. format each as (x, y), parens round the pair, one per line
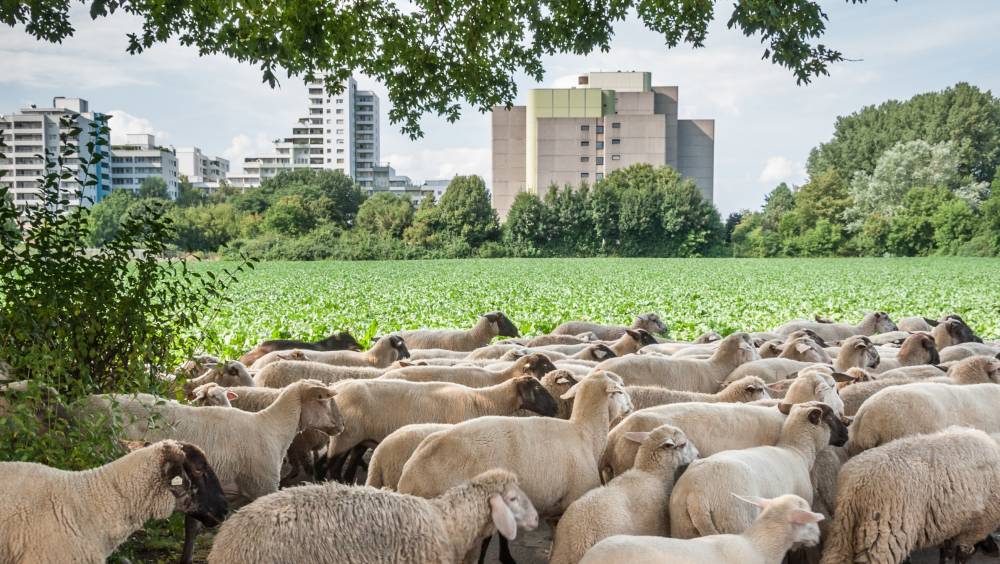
(616, 125)
(584, 128)
(585, 143)
(340, 151)
(599, 176)
(584, 175)
(340, 132)
(340, 100)
(340, 161)
(616, 141)
(328, 131)
(340, 110)
(328, 120)
(328, 150)
(600, 144)
(600, 160)
(328, 110)
(600, 129)
(328, 160)
(616, 157)
(340, 122)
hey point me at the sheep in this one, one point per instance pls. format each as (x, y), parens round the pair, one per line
(231, 373)
(212, 394)
(693, 375)
(965, 350)
(872, 324)
(700, 504)
(224, 433)
(277, 356)
(648, 321)
(783, 522)
(918, 348)
(708, 337)
(531, 447)
(768, 369)
(489, 325)
(284, 372)
(433, 354)
(804, 349)
(339, 340)
(916, 372)
(535, 364)
(901, 411)
(546, 340)
(914, 324)
(375, 408)
(631, 504)
(856, 351)
(383, 353)
(51, 516)
(813, 384)
(771, 348)
(302, 456)
(743, 390)
(916, 492)
(334, 524)
(197, 365)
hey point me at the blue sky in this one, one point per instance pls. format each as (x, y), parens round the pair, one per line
(765, 123)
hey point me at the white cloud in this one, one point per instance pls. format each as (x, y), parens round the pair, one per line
(431, 164)
(780, 169)
(244, 145)
(123, 123)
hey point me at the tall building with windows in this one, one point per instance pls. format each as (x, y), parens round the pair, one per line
(32, 135)
(139, 158)
(337, 132)
(609, 121)
(201, 170)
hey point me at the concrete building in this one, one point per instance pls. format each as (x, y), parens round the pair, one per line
(32, 134)
(386, 180)
(609, 121)
(202, 171)
(338, 132)
(139, 158)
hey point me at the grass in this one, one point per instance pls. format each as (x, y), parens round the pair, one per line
(309, 300)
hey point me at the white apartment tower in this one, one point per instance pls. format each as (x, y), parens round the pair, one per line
(32, 134)
(140, 157)
(338, 132)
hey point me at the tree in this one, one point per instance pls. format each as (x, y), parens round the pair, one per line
(525, 225)
(732, 220)
(290, 216)
(466, 212)
(431, 55)
(331, 194)
(962, 114)
(153, 187)
(776, 203)
(105, 216)
(385, 214)
(188, 195)
(911, 231)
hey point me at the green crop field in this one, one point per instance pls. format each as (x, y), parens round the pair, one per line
(308, 300)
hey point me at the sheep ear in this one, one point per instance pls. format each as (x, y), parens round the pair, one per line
(134, 445)
(636, 436)
(861, 345)
(230, 395)
(802, 347)
(800, 517)
(815, 416)
(752, 500)
(503, 517)
(565, 380)
(785, 408)
(570, 393)
(841, 377)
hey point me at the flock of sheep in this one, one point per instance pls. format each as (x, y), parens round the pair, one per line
(817, 442)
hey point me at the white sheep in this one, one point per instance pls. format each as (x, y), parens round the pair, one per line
(901, 411)
(965, 350)
(489, 325)
(872, 324)
(382, 354)
(391, 454)
(334, 524)
(804, 349)
(51, 516)
(750, 388)
(648, 321)
(283, 372)
(918, 348)
(768, 369)
(687, 374)
(700, 503)
(231, 373)
(916, 492)
(631, 504)
(534, 364)
(783, 523)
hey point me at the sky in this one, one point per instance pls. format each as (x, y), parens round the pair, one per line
(765, 123)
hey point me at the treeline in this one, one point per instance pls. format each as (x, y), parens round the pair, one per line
(911, 178)
(318, 214)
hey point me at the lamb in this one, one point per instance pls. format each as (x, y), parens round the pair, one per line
(902, 496)
(901, 411)
(339, 340)
(489, 325)
(631, 504)
(51, 516)
(383, 353)
(285, 372)
(535, 364)
(231, 373)
(332, 524)
(918, 348)
(872, 324)
(388, 458)
(531, 447)
(747, 389)
(648, 321)
(700, 504)
(804, 349)
(784, 522)
(224, 433)
(856, 351)
(693, 375)
(375, 408)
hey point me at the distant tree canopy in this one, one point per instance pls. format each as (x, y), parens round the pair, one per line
(432, 55)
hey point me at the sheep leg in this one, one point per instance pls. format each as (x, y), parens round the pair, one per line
(485, 546)
(335, 464)
(988, 546)
(357, 453)
(963, 553)
(191, 529)
(505, 556)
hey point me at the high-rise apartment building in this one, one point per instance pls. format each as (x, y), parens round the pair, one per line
(32, 135)
(201, 170)
(139, 158)
(338, 132)
(610, 120)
